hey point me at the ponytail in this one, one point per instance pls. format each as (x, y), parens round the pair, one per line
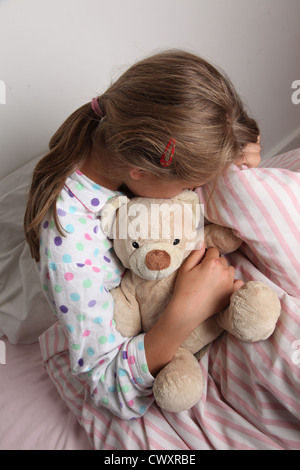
(68, 149)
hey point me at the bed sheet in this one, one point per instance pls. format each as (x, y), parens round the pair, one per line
(32, 415)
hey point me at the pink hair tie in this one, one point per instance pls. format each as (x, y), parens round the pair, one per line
(96, 107)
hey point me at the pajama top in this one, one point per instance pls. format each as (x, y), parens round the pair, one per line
(77, 272)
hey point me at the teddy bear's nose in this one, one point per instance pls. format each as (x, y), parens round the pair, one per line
(157, 259)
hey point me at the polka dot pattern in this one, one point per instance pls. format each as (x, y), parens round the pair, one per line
(78, 269)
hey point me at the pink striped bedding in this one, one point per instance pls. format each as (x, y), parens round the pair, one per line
(252, 396)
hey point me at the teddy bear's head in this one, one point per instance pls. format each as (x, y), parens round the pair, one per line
(153, 236)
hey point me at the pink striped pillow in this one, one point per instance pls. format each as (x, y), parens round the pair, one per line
(262, 205)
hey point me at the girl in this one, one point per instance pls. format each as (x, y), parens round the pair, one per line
(169, 123)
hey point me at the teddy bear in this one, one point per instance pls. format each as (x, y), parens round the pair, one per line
(152, 237)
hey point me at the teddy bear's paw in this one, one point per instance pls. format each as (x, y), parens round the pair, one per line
(253, 312)
(179, 384)
(126, 329)
(222, 238)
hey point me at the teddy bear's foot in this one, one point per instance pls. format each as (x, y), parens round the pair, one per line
(179, 385)
(252, 314)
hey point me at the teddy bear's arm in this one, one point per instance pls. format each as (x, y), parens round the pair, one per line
(126, 308)
(222, 238)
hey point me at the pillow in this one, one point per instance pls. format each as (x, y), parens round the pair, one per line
(262, 206)
(289, 161)
(24, 310)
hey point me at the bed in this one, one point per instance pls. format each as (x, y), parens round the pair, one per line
(251, 399)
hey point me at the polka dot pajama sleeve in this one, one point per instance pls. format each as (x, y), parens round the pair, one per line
(78, 271)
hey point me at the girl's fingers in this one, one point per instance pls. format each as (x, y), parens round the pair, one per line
(223, 261)
(194, 258)
(212, 253)
(231, 271)
(238, 283)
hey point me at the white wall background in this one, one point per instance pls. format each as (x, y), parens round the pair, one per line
(56, 55)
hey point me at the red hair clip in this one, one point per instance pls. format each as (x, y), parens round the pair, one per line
(167, 162)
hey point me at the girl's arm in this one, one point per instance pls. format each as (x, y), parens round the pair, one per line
(203, 287)
(114, 367)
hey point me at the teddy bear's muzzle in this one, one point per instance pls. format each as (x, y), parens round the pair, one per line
(156, 260)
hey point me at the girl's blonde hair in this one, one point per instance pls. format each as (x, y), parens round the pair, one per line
(170, 95)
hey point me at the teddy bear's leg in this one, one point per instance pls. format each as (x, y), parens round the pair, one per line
(252, 314)
(179, 385)
(202, 335)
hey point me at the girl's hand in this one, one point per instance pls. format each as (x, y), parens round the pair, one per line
(251, 155)
(204, 285)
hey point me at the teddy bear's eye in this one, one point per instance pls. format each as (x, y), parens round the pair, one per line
(176, 241)
(135, 245)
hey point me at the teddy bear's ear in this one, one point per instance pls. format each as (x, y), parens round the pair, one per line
(109, 213)
(192, 199)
